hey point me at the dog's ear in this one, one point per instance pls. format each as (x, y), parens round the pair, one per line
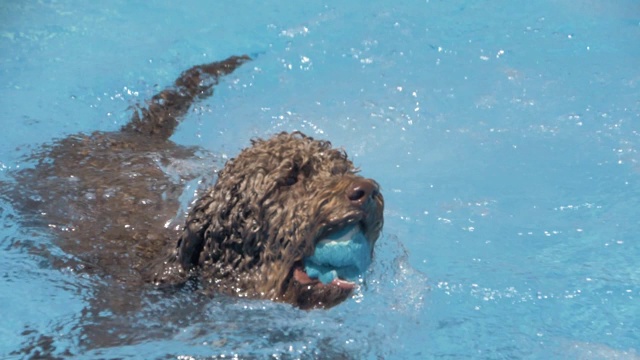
(192, 239)
(191, 243)
(175, 269)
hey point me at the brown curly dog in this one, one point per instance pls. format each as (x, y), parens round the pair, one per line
(110, 199)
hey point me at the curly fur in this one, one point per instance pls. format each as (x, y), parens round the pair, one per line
(269, 206)
(110, 199)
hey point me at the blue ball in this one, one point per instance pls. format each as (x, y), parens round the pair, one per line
(345, 254)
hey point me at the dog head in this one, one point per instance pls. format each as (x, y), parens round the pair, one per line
(272, 206)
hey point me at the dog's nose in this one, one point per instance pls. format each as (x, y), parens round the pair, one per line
(361, 190)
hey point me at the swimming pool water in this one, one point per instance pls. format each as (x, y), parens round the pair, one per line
(505, 136)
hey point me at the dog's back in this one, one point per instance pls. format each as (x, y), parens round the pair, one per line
(110, 196)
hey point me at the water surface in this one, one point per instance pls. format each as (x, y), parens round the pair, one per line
(505, 136)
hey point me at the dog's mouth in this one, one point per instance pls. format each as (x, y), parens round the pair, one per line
(340, 257)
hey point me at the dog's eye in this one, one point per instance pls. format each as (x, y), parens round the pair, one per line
(290, 180)
(292, 176)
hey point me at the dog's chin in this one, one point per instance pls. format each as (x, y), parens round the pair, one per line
(309, 291)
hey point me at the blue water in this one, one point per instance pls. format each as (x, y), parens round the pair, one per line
(505, 136)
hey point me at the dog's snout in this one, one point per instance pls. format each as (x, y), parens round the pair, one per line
(361, 190)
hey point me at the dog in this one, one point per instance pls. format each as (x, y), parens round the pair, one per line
(289, 219)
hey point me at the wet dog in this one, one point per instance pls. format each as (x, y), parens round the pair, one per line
(108, 197)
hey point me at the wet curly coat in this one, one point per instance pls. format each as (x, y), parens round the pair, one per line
(108, 199)
(270, 205)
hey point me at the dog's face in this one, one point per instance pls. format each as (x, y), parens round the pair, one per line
(267, 212)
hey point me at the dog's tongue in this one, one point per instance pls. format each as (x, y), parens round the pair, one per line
(343, 255)
(304, 279)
